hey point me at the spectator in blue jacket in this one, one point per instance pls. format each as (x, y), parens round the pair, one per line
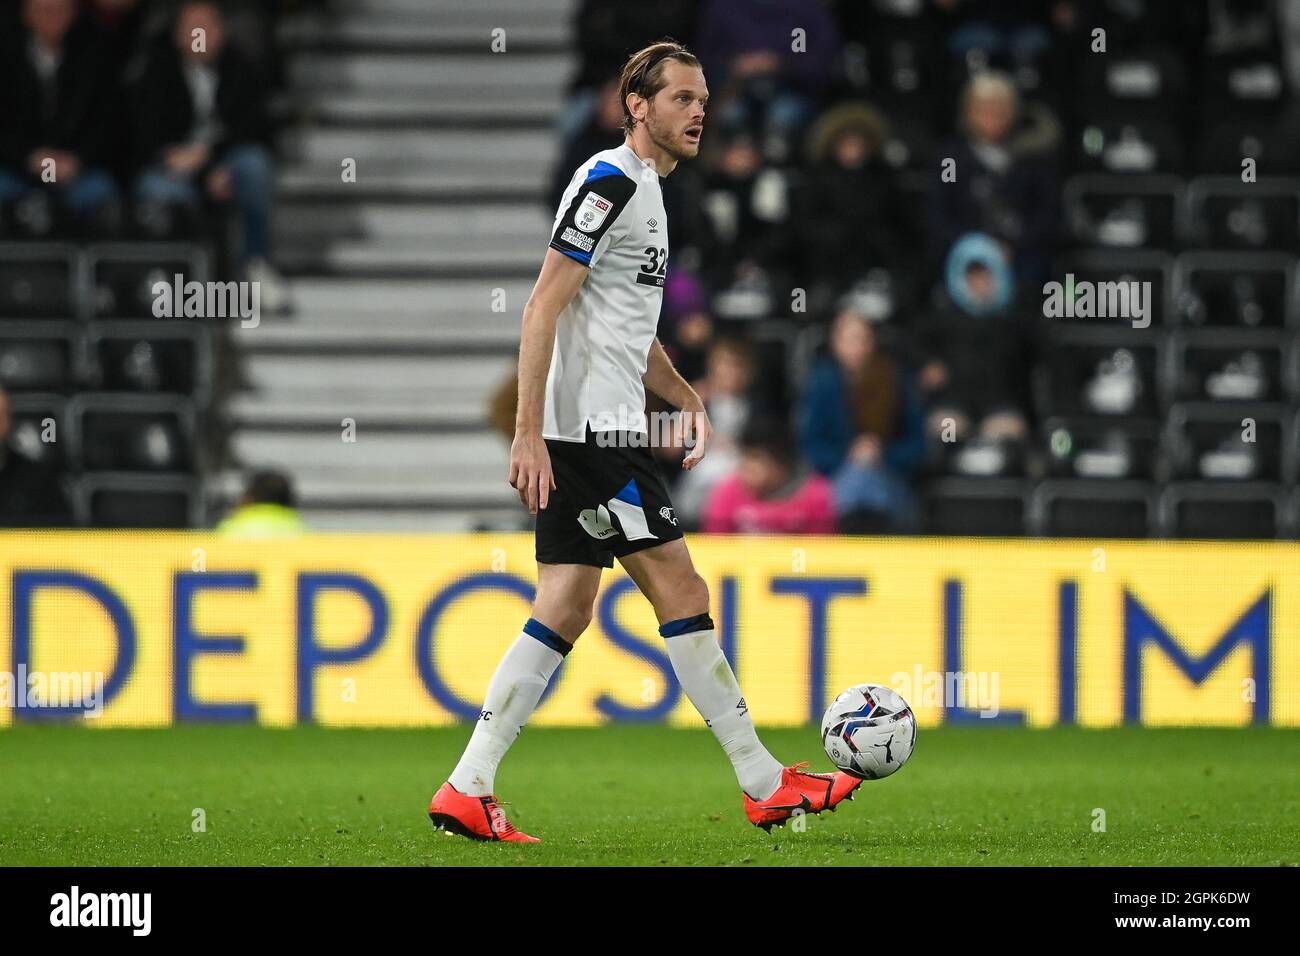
(861, 424)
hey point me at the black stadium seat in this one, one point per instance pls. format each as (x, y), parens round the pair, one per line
(38, 356)
(1230, 442)
(969, 506)
(115, 500)
(1111, 265)
(1100, 371)
(135, 433)
(1245, 289)
(153, 357)
(40, 280)
(1122, 212)
(1228, 365)
(1127, 145)
(1111, 449)
(1225, 213)
(123, 275)
(41, 428)
(1093, 509)
(1207, 510)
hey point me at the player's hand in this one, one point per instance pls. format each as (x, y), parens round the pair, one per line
(530, 472)
(695, 435)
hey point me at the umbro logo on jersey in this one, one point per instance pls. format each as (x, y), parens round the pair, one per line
(653, 224)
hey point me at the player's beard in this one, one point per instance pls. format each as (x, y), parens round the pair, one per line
(664, 137)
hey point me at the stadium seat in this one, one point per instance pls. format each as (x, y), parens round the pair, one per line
(1247, 289)
(967, 506)
(41, 428)
(134, 432)
(39, 356)
(1225, 213)
(1111, 449)
(1128, 144)
(1228, 365)
(1230, 442)
(1092, 509)
(153, 357)
(1122, 212)
(122, 275)
(1149, 82)
(1099, 371)
(40, 280)
(1247, 83)
(115, 500)
(1234, 138)
(1109, 265)
(1207, 510)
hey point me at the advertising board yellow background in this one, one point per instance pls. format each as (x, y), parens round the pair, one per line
(907, 607)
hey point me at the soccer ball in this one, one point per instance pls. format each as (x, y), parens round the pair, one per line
(869, 731)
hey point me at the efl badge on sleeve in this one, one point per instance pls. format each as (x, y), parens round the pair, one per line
(592, 212)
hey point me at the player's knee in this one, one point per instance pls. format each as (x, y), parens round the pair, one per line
(570, 622)
(579, 620)
(692, 596)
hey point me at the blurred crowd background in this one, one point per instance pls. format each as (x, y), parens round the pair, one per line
(867, 332)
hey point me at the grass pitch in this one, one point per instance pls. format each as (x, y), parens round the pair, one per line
(643, 796)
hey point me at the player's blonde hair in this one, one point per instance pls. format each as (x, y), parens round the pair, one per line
(643, 73)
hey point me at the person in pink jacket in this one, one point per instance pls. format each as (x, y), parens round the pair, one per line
(768, 493)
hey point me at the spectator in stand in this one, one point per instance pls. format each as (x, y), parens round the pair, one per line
(862, 425)
(202, 129)
(847, 218)
(603, 131)
(31, 495)
(605, 34)
(731, 402)
(268, 509)
(686, 328)
(57, 96)
(762, 81)
(121, 23)
(769, 493)
(971, 354)
(745, 205)
(1005, 183)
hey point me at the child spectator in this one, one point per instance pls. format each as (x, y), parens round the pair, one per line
(767, 493)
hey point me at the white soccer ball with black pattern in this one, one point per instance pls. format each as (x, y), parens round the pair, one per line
(869, 731)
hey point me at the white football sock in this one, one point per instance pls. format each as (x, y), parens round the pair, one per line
(705, 675)
(512, 696)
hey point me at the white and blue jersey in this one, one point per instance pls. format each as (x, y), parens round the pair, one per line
(611, 219)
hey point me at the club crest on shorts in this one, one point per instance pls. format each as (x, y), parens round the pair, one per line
(667, 514)
(592, 212)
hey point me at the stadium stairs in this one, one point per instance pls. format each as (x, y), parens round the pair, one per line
(394, 276)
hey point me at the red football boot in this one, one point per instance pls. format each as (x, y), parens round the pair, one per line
(800, 790)
(479, 818)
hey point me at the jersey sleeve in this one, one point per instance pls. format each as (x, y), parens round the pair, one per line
(582, 226)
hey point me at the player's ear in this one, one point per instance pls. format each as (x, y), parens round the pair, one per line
(633, 101)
